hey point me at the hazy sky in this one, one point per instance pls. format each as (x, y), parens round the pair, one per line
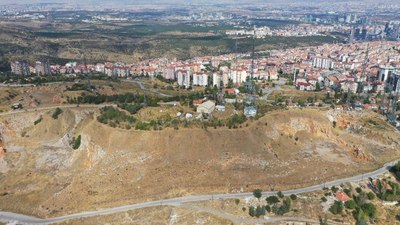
(172, 2)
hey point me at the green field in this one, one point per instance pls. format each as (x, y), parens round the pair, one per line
(130, 41)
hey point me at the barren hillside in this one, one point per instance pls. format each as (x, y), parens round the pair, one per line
(42, 175)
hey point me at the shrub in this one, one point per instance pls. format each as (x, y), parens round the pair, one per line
(351, 204)
(268, 208)
(76, 143)
(336, 208)
(237, 201)
(280, 194)
(371, 196)
(285, 208)
(359, 190)
(323, 199)
(38, 121)
(56, 113)
(293, 197)
(257, 193)
(347, 191)
(369, 209)
(272, 200)
(260, 211)
(252, 211)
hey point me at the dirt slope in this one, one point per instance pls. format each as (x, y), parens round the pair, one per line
(42, 175)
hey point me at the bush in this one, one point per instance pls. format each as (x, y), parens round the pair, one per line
(336, 208)
(359, 190)
(260, 211)
(293, 197)
(285, 208)
(56, 113)
(323, 199)
(369, 209)
(237, 201)
(38, 121)
(268, 208)
(371, 196)
(351, 204)
(252, 211)
(334, 189)
(76, 143)
(257, 193)
(347, 191)
(280, 194)
(112, 116)
(272, 200)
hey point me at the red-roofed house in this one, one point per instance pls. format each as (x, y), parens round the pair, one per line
(343, 197)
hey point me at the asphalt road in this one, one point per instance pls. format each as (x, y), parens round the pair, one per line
(24, 219)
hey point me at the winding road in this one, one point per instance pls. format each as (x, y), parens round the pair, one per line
(29, 220)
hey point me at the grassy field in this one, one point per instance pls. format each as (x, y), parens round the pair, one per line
(127, 42)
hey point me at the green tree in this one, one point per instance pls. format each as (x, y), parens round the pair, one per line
(369, 209)
(76, 143)
(252, 211)
(351, 204)
(272, 200)
(257, 193)
(371, 195)
(56, 113)
(293, 197)
(336, 208)
(317, 87)
(260, 211)
(280, 194)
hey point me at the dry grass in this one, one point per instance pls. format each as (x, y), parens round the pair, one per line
(116, 167)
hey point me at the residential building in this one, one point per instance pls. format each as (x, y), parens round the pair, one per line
(42, 68)
(20, 68)
(183, 78)
(200, 79)
(206, 107)
(384, 72)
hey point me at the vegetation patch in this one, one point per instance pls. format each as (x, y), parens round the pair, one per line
(38, 121)
(76, 142)
(56, 113)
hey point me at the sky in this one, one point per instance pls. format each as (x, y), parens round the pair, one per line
(172, 2)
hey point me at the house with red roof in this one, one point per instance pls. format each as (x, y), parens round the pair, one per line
(343, 197)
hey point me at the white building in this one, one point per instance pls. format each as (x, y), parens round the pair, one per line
(200, 79)
(183, 78)
(206, 107)
(238, 76)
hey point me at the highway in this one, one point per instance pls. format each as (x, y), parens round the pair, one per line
(29, 220)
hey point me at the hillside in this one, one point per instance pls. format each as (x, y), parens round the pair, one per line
(42, 175)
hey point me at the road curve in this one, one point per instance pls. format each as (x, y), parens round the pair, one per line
(29, 220)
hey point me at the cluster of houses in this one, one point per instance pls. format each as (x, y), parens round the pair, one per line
(360, 67)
